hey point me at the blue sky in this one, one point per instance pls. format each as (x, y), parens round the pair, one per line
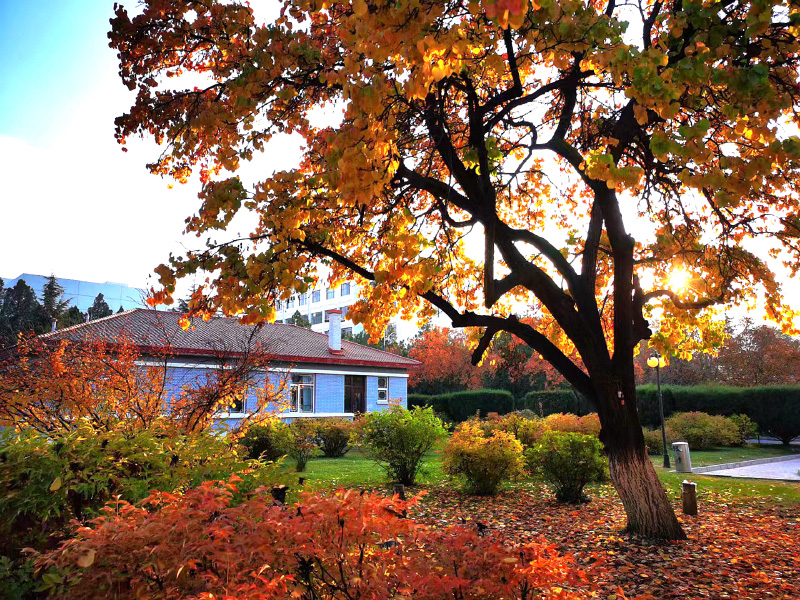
(72, 203)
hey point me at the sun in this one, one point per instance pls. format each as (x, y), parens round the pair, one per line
(679, 279)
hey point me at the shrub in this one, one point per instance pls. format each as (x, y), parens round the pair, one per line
(483, 461)
(340, 545)
(397, 439)
(568, 461)
(589, 424)
(747, 428)
(548, 402)
(562, 422)
(525, 429)
(267, 441)
(302, 444)
(47, 481)
(460, 406)
(333, 436)
(702, 431)
(654, 441)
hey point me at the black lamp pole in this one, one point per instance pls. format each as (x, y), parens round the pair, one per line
(661, 410)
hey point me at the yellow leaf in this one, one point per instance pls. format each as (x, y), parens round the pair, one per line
(56, 484)
(87, 559)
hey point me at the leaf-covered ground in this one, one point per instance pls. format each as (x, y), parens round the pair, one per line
(744, 550)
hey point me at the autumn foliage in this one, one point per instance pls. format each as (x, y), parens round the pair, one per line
(52, 385)
(343, 545)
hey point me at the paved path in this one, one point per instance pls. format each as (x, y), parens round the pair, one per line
(786, 469)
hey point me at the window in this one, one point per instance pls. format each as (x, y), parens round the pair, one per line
(347, 332)
(383, 390)
(303, 298)
(301, 393)
(345, 289)
(315, 296)
(290, 302)
(330, 294)
(316, 318)
(344, 312)
(279, 305)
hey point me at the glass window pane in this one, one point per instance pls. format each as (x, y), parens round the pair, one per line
(382, 382)
(293, 402)
(315, 296)
(307, 399)
(382, 394)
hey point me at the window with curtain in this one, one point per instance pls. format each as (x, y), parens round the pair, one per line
(301, 393)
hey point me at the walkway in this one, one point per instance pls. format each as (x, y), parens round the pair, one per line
(784, 468)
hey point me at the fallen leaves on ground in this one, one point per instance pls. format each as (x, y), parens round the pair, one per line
(735, 549)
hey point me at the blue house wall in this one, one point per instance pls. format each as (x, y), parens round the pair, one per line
(328, 390)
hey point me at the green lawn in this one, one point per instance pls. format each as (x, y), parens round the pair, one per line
(355, 469)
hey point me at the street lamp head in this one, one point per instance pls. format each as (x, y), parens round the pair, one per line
(656, 361)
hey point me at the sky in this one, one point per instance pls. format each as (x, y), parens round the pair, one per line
(71, 202)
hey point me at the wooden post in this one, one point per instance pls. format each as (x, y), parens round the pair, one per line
(400, 490)
(689, 497)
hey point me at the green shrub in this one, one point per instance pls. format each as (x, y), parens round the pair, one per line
(333, 436)
(702, 431)
(47, 481)
(267, 441)
(747, 428)
(302, 444)
(483, 461)
(460, 406)
(568, 461)
(397, 439)
(654, 441)
(548, 402)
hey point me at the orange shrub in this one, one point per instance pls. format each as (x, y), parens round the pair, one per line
(562, 422)
(526, 430)
(343, 545)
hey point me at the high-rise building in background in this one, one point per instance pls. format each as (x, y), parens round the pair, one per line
(314, 305)
(83, 293)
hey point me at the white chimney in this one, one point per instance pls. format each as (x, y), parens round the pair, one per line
(335, 331)
(53, 325)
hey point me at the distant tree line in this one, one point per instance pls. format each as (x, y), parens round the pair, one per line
(21, 311)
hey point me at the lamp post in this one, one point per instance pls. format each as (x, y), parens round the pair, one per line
(656, 362)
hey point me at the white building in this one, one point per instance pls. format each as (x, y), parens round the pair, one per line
(315, 305)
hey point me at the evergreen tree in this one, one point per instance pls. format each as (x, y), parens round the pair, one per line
(99, 308)
(52, 301)
(21, 312)
(121, 310)
(71, 316)
(300, 320)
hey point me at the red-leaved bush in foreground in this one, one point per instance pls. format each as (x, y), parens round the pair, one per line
(346, 545)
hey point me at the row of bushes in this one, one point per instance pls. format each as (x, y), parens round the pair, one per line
(774, 409)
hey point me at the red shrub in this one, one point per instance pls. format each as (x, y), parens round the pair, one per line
(345, 545)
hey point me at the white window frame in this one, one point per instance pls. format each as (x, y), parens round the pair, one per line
(383, 389)
(316, 296)
(293, 386)
(343, 287)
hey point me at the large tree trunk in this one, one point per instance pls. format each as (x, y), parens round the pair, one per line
(646, 505)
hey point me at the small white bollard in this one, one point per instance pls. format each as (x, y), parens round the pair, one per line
(683, 460)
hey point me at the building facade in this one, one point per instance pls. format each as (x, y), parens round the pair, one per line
(322, 375)
(82, 293)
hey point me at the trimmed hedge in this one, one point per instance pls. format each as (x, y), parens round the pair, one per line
(550, 402)
(460, 406)
(776, 409)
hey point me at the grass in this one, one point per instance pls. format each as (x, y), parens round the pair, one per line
(356, 470)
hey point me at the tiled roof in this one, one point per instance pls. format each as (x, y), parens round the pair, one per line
(150, 329)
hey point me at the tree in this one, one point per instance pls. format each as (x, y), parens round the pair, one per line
(71, 316)
(550, 131)
(445, 363)
(300, 320)
(52, 299)
(21, 312)
(99, 308)
(121, 310)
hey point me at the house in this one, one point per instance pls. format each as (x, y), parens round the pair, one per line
(324, 376)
